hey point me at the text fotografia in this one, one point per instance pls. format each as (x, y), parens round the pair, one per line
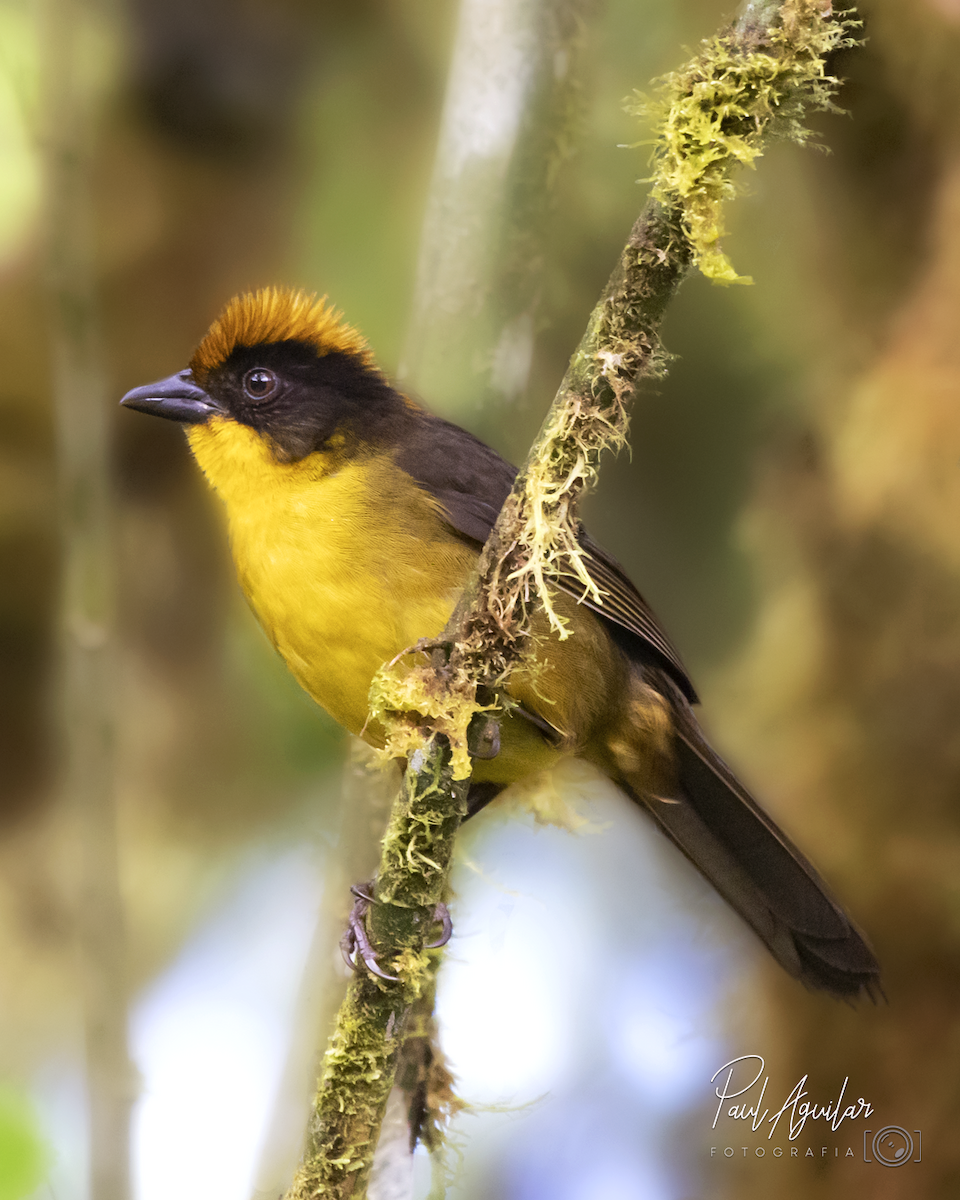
(783, 1152)
(738, 1080)
(891, 1146)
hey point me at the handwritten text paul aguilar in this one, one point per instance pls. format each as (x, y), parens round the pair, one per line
(737, 1081)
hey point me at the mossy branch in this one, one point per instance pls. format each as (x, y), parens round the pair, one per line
(769, 63)
(746, 86)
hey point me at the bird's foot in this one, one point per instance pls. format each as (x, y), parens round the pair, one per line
(355, 944)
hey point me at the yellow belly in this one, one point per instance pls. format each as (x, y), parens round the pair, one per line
(346, 565)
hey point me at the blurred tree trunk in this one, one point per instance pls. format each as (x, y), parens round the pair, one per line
(88, 659)
(850, 694)
(511, 118)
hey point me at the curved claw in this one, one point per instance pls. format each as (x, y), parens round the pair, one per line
(367, 952)
(442, 914)
(348, 947)
(355, 940)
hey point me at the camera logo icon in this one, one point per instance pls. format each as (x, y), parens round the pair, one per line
(892, 1146)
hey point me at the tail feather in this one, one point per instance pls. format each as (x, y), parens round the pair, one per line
(792, 888)
(725, 833)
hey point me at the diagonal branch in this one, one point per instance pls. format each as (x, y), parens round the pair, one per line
(747, 83)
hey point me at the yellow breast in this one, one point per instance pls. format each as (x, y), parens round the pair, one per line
(346, 564)
(339, 558)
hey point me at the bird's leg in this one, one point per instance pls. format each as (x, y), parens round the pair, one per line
(480, 795)
(423, 646)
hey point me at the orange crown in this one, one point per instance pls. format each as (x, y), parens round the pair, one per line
(278, 315)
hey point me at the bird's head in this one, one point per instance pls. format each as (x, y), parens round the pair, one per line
(285, 365)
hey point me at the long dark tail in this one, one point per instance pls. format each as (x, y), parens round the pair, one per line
(725, 833)
(728, 837)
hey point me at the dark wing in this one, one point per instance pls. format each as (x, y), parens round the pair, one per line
(471, 482)
(625, 609)
(469, 479)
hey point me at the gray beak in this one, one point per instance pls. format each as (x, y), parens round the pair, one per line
(177, 398)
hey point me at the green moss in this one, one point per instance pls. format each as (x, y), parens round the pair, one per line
(412, 703)
(714, 115)
(372, 1024)
(418, 843)
(357, 1076)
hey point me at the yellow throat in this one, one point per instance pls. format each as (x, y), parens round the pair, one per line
(325, 543)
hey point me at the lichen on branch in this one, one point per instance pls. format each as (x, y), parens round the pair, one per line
(378, 1015)
(714, 114)
(537, 537)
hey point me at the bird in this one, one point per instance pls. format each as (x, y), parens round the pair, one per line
(355, 518)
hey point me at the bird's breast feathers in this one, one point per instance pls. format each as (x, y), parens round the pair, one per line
(324, 544)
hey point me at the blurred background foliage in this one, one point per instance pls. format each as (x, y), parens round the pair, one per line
(789, 508)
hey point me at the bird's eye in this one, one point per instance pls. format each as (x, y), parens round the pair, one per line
(259, 383)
